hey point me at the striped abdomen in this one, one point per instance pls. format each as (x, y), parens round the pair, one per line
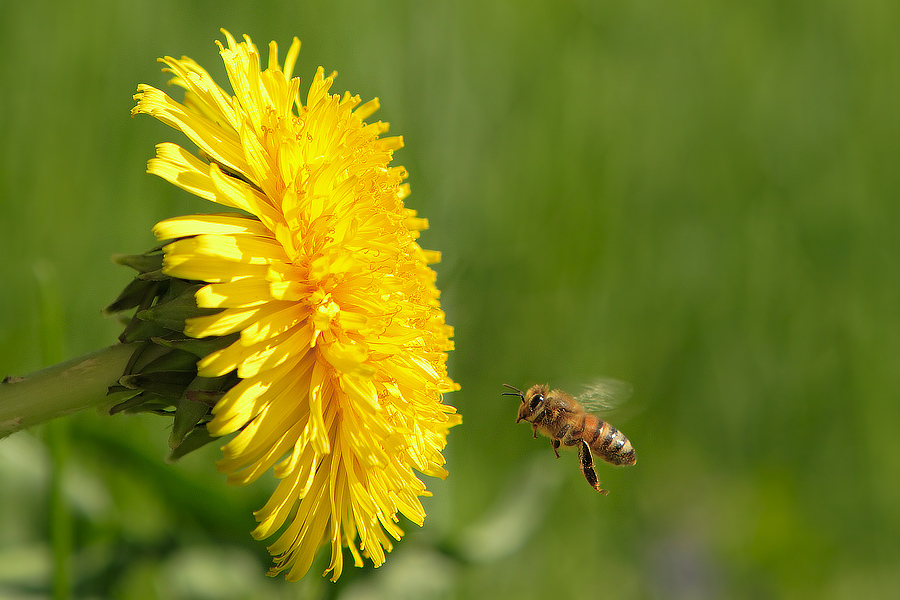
(607, 442)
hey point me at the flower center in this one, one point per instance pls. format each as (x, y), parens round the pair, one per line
(325, 311)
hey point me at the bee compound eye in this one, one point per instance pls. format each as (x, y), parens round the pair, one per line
(535, 400)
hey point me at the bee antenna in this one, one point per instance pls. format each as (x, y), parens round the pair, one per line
(516, 392)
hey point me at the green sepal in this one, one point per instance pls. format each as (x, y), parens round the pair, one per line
(138, 330)
(173, 313)
(142, 403)
(194, 406)
(137, 293)
(167, 384)
(151, 260)
(196, 438)
(120, 397)
(199, 347)
(172, 361)
(157, 275)
(161, 377)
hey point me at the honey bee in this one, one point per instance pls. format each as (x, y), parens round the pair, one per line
(567, 422)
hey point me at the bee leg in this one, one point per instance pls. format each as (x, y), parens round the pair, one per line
(534, 430)
(587, 467)
(563, 437)
(555, 445)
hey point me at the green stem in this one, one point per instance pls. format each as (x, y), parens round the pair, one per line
(62, 389)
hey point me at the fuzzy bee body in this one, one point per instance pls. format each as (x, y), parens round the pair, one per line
(566, 422)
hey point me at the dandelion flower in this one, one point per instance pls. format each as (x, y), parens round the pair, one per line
(337, 339)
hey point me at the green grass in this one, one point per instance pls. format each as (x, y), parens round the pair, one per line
(698, 197)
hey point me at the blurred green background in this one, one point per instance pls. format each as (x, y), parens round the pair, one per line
(697, 197)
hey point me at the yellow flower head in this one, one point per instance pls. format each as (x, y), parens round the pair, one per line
(342, 347)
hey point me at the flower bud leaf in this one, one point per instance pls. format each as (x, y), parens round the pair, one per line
(196, 438)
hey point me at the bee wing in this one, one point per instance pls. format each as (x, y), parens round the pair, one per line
(605, 395)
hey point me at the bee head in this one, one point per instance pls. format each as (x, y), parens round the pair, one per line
(531, 400)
